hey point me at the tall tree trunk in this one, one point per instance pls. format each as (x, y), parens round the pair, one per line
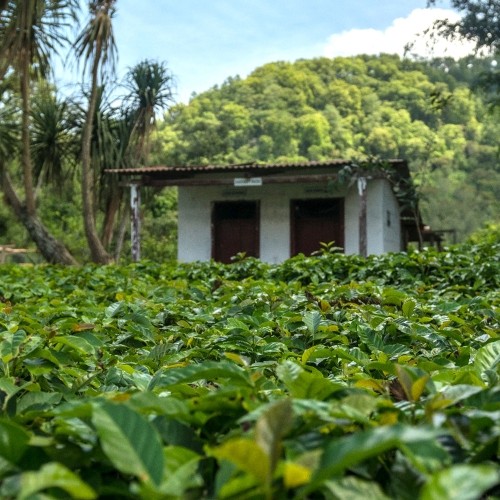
(121, 231)
(51, 248)
(113, 205)
(97, 251)
(416, 215)
(25, 137)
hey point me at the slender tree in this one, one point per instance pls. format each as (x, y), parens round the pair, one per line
(96, 47)
(150, 87)
(112, 127)
(31, 31)
(111, 194)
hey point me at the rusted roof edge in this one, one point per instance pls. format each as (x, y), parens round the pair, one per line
(238, 166)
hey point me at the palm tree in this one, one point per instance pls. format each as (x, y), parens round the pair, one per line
(94, 45)
(150, 86)
(150, 89)
(110, 139)
(120, 126)
(30, 33)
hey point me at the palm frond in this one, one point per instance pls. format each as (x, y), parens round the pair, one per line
(9, 130)
(34, 27)
(97, 39)
(150, 86)
(52, 137)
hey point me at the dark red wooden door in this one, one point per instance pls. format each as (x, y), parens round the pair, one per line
(316, 221)
(235, 229)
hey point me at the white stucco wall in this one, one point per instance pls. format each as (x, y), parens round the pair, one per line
(195, 204)
(392, 233)
(375, 217)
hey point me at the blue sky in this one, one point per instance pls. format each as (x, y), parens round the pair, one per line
(204, 42)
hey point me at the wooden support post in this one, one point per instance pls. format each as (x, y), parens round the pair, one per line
(363, 246)
(135, 216)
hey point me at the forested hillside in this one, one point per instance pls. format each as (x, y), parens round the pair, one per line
(427, 112)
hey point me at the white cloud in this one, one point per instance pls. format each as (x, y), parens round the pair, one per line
(404, 30)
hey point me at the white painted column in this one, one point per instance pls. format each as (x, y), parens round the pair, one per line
(135, 217)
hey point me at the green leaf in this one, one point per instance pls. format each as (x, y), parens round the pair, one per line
(418, 387)
(17, 339)
(354, 354)
(307, 354)
(351, 450)
(113, 309)
(276, 421)
(80, 382)
(302, 384)
(427, 455)
(9, 348)
(13, 441)
(312, 320)
(353, 488)
(247, 455)
(141, 331)
(405, 380)
(236, 324)
(180, 468)
(409, 307)
(488, 357)
(77, 343)
(208, 370)
(239, 487)
(180, 474)
(461, 482)
(149, 402)
(55, 475)
(37, 401)
(129, 441)
(7, 385)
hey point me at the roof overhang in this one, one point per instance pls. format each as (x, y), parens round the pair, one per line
(301, 172)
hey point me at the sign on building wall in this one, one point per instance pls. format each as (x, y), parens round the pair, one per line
(252, 181)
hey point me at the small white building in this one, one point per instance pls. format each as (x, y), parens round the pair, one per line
(275, 211)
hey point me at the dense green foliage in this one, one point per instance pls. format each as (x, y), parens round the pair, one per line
(423, 111)
(329, 377)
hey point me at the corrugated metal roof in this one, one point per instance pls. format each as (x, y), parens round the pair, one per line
(232, 167)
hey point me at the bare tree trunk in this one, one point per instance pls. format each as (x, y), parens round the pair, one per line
(97, 251)
(51, 248)
(121, 231)
(112, 208)
(416, 214)
(25, 137)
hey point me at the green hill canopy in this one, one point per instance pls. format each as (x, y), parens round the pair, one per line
(424, 111)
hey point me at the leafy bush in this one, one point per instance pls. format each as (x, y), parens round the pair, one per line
(489, 233)
(329, 377)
